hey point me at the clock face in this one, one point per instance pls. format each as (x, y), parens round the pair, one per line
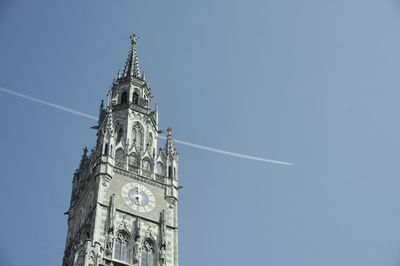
(138, 197)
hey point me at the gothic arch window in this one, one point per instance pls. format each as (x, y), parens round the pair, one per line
(120, 155)
(146, 165)
(106, 149)
(174, 172)
(150, 141)
(120, 134)
(121, 247)
(170, 171)
(135, 97)
(124, 97)
(147, 254)
(137, 136)
(133, 160)
(160, 168)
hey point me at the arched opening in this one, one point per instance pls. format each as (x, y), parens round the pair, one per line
(120, 134)
(147, 254)
(106, 149)
(135, 98)
(146, 165)
(121, 247)
(170, 171)
(120, 155)
(124, 97)
(160, 168)
(137, 136)
(132, 160)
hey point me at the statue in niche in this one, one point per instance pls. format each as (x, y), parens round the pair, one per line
(136, 243)
(162, 255)
(109, 243)
(136, 248)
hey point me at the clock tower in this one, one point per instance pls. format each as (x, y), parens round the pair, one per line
(123, 208)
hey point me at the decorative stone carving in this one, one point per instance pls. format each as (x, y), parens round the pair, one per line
(162, 256)
(106, 181)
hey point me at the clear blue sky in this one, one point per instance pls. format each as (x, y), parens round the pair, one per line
(312, 82)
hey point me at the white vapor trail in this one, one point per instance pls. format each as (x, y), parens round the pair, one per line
(228, 152)
(201, 147)
(48, 104)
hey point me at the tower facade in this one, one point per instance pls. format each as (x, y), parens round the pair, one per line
(123, 208)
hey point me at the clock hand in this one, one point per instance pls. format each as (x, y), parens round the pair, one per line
(138, 196)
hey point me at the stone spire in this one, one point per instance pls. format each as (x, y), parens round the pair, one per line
(132, 63)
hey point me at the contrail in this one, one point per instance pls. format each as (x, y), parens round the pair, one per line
(48, 104)
(228, 152)
(201, 147)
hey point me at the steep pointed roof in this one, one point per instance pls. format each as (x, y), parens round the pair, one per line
(132, 63)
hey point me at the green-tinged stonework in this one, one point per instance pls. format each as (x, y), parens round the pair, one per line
(123, 208)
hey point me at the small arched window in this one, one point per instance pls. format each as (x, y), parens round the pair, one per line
(106, 149)
(137, 136)
(135, 97)
(120, 134)
(160, 169)
(133, 160)
(120, 155)
(170, 171)
(147, 254)
(146, 165)
(121, 247)
(124, 97)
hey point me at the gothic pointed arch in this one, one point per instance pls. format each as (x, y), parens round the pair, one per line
(121, 246)
(105, 149)
(124, 97)
(137, 136)
(135, 97)
(120, 155)
(133, 159)
(150, 142)
(147, 165)
(160, 169)
(148, 253)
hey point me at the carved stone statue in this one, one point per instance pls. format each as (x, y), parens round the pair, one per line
(136, 249)
(162, 255)
(109, 243)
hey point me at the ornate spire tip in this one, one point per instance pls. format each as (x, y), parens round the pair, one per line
(134, 39)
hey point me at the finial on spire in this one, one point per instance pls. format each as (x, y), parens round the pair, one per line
(134, 39)
(169, 131)
(102, 105)
(119, 73)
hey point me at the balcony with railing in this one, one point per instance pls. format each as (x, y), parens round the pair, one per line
(144, 172)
